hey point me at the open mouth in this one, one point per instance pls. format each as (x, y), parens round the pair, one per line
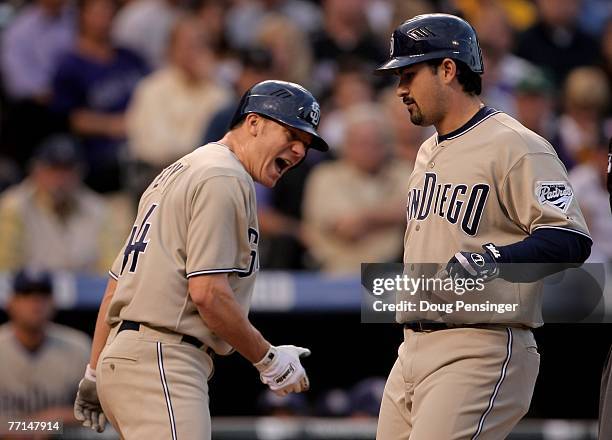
(281, 164)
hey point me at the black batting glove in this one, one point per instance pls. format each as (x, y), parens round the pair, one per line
(475, 265)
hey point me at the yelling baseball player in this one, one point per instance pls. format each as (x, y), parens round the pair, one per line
(484, 191)
(180, 288)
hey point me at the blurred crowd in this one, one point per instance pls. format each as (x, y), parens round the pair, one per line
(360, 401)
(98, 96)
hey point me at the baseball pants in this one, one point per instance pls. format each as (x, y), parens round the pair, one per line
(459, 384)
(151, 386)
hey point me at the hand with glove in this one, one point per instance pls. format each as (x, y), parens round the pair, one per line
(282, 370)
(87, 407)
(475, 265)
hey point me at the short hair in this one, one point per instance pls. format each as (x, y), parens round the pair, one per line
(471, 82)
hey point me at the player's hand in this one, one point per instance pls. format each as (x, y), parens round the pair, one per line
(87, 408)
(282, 370)
(474, 265)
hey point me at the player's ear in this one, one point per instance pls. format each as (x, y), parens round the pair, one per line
(448, 70)
(253, 123)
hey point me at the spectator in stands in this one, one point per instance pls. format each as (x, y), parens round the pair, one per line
(41, 363)
(534, 101)
(31, 46)
(606, 51)
(211, 14)
(585, 98)
(521, 13)
(351, 87)
(502, 67)
(255, 65)
(92, 87)
(170, 107)
(32, 43)
(354, 207)
(333, 403)
(345, 33)
(402, 10)
(144, 27)
(588, 180)
(289, 406)
(366, 396)
(555, 41)
(286, 65)
(51, 220)
(244, 18)
(280, 214)
(407, 136)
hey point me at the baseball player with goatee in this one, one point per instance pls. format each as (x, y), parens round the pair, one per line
(180, 288)
(485, 190)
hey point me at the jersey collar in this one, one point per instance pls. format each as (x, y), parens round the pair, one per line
(482, 114)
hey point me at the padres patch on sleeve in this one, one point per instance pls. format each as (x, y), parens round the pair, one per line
(556, 194)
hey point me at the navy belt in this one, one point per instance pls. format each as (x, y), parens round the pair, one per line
(188, 339)
(424, 326)
(419, 326)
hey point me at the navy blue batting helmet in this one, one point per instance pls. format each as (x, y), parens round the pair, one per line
(432, 36)
(284, 102)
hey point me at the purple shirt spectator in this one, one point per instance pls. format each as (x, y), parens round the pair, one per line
(32, 45)
(103, 87)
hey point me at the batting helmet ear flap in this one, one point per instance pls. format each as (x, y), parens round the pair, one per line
(284, 102)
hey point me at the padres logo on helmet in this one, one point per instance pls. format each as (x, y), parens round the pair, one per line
(285, 102)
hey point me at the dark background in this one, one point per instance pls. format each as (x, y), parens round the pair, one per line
(345, 351)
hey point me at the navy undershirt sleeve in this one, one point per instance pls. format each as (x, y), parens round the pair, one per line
(547, 246)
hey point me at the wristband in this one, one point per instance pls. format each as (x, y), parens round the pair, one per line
(90, 373)
(267, 359)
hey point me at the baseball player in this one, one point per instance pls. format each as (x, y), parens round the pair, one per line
(40, 361)
(180, 288)
(484, 191)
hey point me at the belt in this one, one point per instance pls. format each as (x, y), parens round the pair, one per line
(420, 326)
(187, 339)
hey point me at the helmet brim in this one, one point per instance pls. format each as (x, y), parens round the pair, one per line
(392, 65)
(317, 141)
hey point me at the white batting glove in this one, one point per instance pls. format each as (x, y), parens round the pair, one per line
(87, 408)
(282, 370)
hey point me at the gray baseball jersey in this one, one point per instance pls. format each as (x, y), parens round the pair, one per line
(32, 382)
(197, 217)
(516, 186)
